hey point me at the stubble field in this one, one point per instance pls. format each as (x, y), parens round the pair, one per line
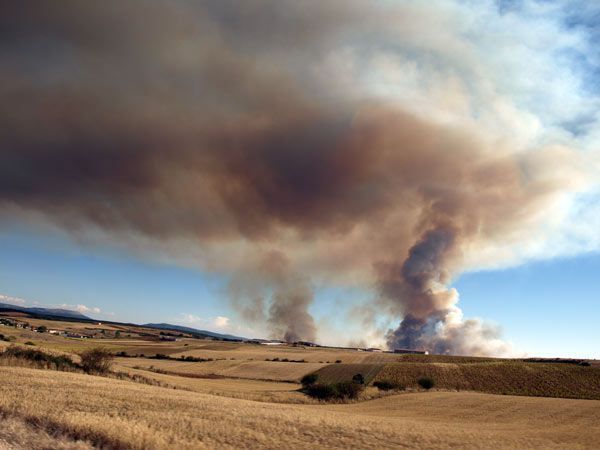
(120, 414)
(239, 395)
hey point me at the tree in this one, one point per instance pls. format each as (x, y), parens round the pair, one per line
(117, 334)
(309, 380)
(42, 329)
(426, 382)
(96, 360)
(358, 379)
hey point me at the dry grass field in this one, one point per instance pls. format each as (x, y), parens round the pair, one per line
(257, 370)
(505, 377)
(262, 352)
(122, 414)
(257, 390)
(17, 434)
(247, 395)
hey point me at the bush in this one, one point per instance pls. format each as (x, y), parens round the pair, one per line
(308, 380)
(358, 379)
(96, 360)
(321, 391)
(29, 343)
(585, 364)
(3, 338)
(426, 382)
(385, 385)
(42, 329)
(337, 361)
(347, 389)
(40, 358)
(339, 391)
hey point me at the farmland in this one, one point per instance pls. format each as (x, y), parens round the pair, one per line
(232, 394)
(111, 413)
(344, 372)
(257, 370)
(506, 377)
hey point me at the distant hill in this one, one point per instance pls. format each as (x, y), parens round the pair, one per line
(54, 312)
(195, 331)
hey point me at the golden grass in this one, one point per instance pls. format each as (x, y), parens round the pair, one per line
(259, 370)
(262, 352)
(256, 390)
(120, 414)
(16, 434)
(504, 377)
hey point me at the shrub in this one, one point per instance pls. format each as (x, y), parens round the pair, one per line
(42, 329)
(337, 361)
(308, 380)
(347, 389)
(585, 363)
(426, 382)
(29, 343)
(3, 338)
(386, 385)
(96, 360)
(339, 391)
(358, 379)
(321, 391)
(39, 358)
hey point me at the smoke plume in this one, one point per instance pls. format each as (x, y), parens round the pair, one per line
(249, 133)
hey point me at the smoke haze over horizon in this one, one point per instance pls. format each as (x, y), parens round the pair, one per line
(292, 145)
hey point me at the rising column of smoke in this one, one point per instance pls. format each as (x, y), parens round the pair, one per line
(419, 283)
(431, 318)
(289, 316)
(272, 292)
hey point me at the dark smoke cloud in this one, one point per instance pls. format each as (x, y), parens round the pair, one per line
(272, 282)
(212, 123)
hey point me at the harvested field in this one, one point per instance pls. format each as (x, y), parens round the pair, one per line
(509, 378)
(259, 370)
(262, 352)
(122, 414)
(344, 372)
(257, 390)
(17, 434)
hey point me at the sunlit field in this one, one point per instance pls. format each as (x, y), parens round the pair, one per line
(234, 394)
(121, 414)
